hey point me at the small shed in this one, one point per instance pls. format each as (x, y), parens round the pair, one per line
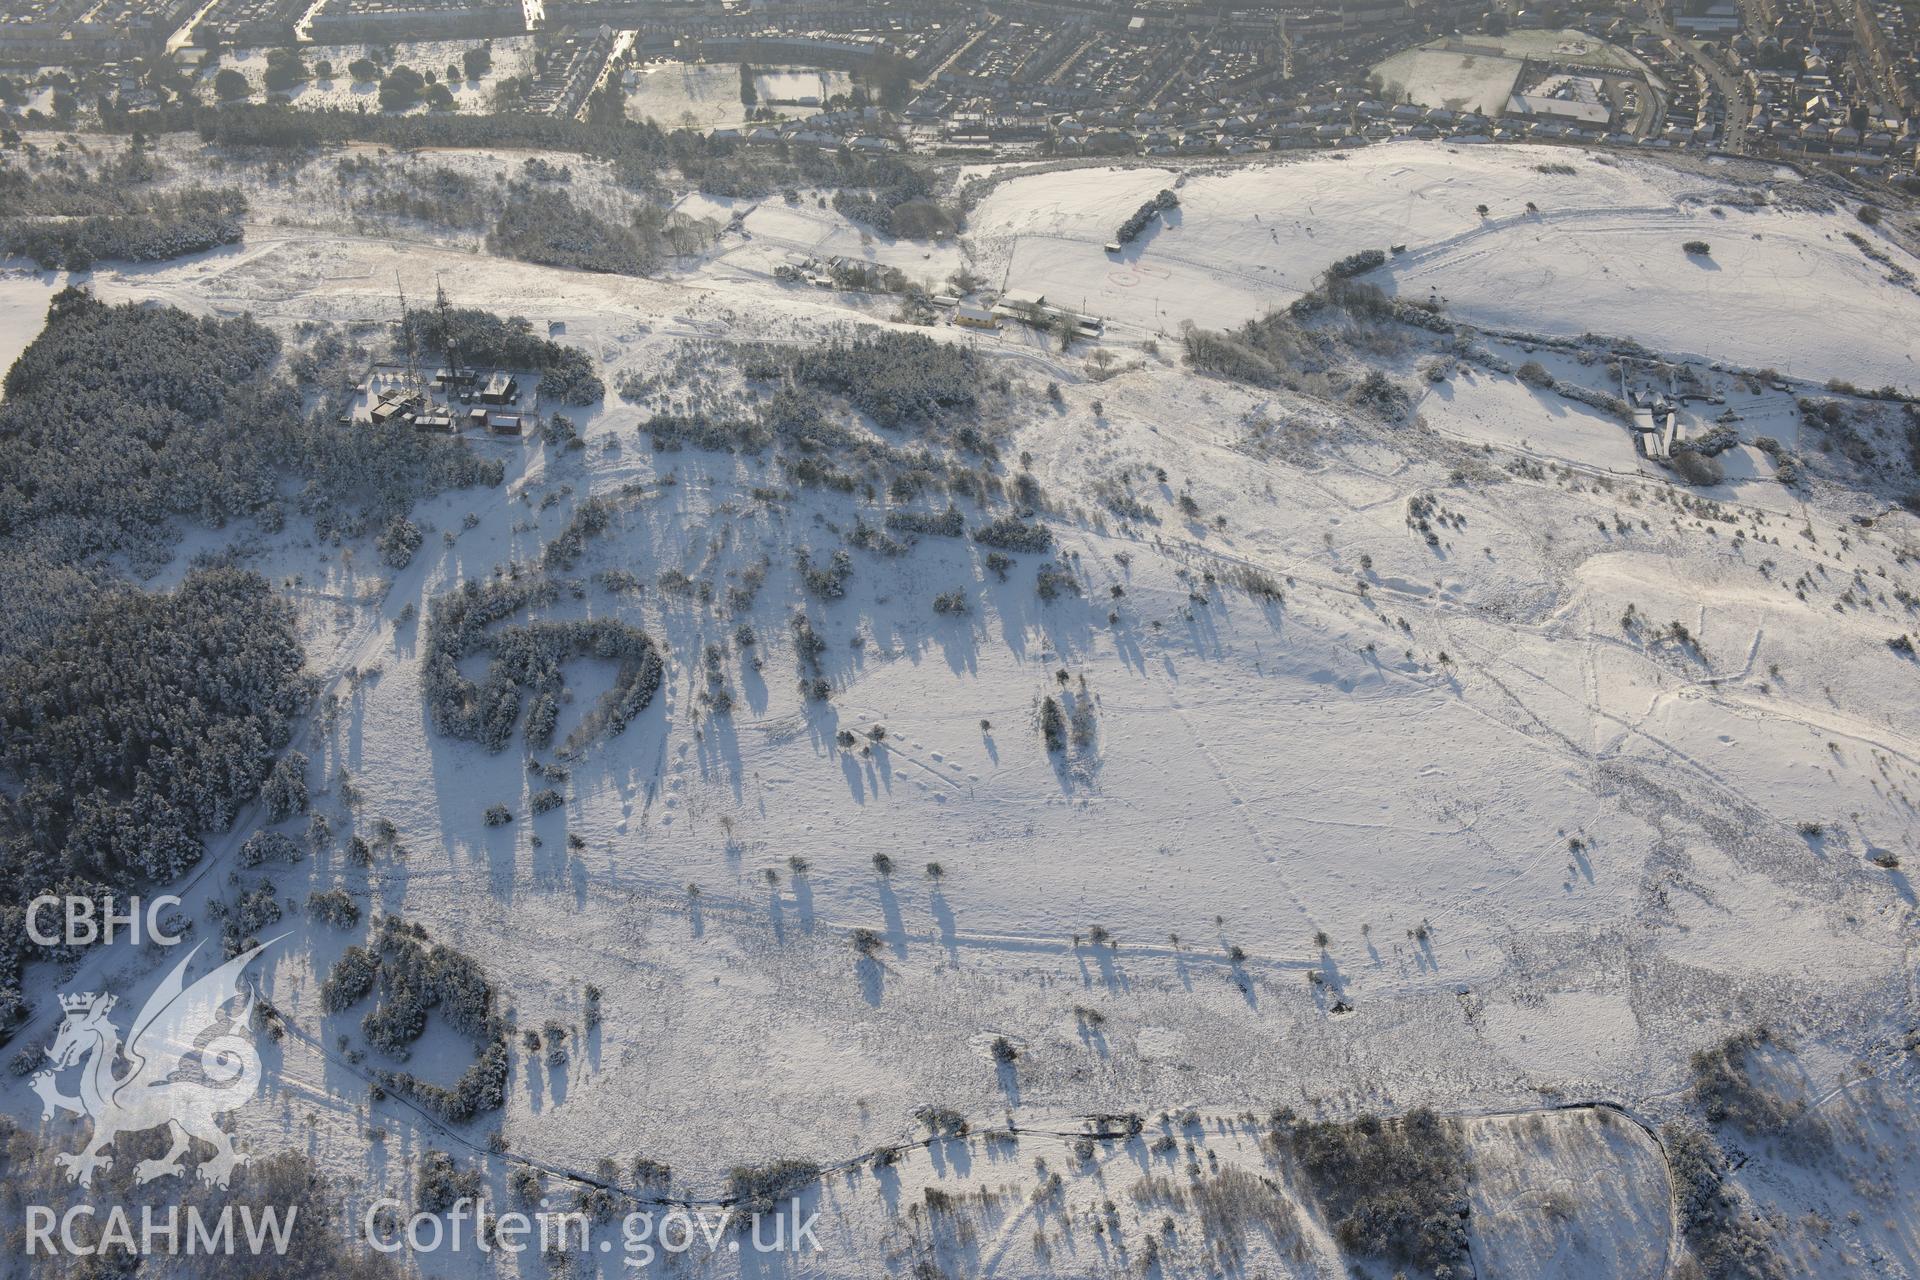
(975, 316)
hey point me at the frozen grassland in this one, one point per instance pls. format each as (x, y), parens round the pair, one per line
(1428, 827)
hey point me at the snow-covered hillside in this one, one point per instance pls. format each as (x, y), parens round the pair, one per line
(1571, 242)
(1460, 758)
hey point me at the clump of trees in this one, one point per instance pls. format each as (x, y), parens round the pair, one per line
(894, 378)
(1010, 533)
(590, 519)
(947, 524)
(763, 1189)
(894, 197)
(128, 732)
(1728, 1240)
(1137, 220)
(147, 721)
(525, 659)
(285, 790)
(117, 418)
(268, 846)
(397, 543)
(162, 225)
(1357, 264)
(1725, 1086)
(334, 907)
(1392, 1189)
(416, 976)
(1053, 725)
(1697, 468)
(542, 224)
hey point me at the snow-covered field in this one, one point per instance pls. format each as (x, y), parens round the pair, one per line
(705, 95)
(1430, 828)
(1438, 77)
(1599, 252)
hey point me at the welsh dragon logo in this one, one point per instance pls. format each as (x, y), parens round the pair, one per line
(191, 1060)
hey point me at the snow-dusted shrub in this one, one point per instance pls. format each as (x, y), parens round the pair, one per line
(762, 1189)
(442, 1183)
(398, 541)
(1382, 395)
(589, 519)
(546, 800)
(498, 815)
(1052, 582)
(334, 907)
(1010, 533)
(268, 846)
(1697, 468)
(350, 979)
(947, 524)
(1053, 725)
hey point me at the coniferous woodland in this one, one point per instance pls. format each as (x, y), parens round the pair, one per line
(120, 421)
(132, 723)
(146, 721)
(60, 213)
